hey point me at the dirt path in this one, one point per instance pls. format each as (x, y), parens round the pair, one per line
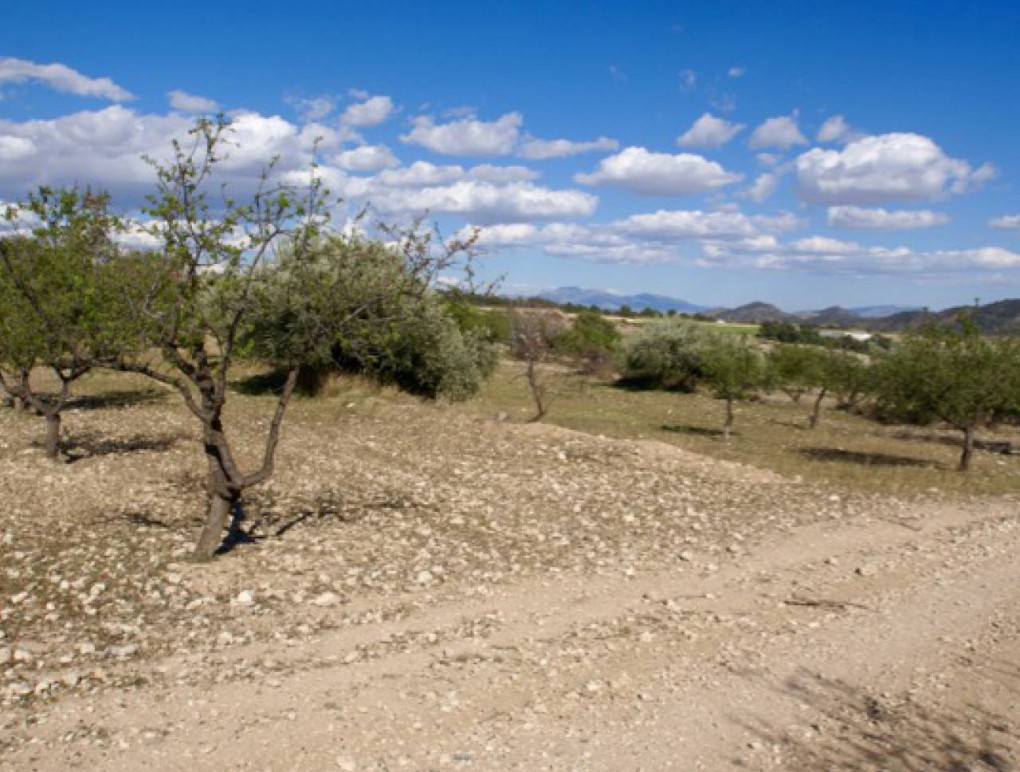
(887, 641)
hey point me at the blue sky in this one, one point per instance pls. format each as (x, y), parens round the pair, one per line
(802, 153)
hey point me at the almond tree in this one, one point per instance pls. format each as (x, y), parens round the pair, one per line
(223, 269)
(57, 299)
(532, 340)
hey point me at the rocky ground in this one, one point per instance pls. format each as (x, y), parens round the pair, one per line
(426, 590)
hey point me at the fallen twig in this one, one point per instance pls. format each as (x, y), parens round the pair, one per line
(824, 603)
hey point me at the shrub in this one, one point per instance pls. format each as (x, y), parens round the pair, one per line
(667, 354)
(591, 340)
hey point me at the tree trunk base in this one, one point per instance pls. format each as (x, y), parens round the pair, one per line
(212, 532)
(52, 437)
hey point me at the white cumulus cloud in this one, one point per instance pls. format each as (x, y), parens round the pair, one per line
(486, 201)
(313, 108)
(659, 174)
(884, 168)
(831, 257)
(834, 129)
(189, 103)
(60, 77)
(695, 224)
(105, 148)
(780, 132)
(371, 111)
(466, 137)
(367, 158)
(864, 218)
(422, 174)
(709, 131)
(763, 187)
(542, 149)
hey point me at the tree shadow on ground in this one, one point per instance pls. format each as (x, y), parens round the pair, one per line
(146, 520)
(309, 384)
(1003, 447)
(88, 445)
(261, 518)
(697, 431)
(852, 729)
(793, 425)
(115, 399)
(865, 459)
(261, 384)
(638, 383)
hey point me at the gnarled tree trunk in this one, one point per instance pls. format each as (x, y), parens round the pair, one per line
(816, 410)
(226, 482)
(216, 518)
(537, 389)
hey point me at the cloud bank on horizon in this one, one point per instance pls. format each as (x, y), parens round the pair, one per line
(777, 201)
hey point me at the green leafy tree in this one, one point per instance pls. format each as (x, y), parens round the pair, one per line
(838, 372)
(222, 265)
(388, 322)
(735, 369)
(949, 372)
(57, 298)
(794, 369)
(847, 376)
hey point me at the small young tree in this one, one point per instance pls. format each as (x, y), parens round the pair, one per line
(219, 273)
(735, 369)
(532, 340)
(953, 374)
(838, 372)
(57, 299)
(795, 369)
(849, 377)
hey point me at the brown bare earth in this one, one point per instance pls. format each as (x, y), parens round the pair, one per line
(425, 589)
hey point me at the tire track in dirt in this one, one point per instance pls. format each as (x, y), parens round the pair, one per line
(700, 667)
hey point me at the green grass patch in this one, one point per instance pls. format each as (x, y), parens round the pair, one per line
(845, 452)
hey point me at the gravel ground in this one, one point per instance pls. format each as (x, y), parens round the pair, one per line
(422, 589)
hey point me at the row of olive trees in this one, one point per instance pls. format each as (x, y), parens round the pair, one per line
(948, 373)
(265, 277)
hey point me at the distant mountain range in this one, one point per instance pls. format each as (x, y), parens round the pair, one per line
(613, 302)
(752, 312)
(1001, 317)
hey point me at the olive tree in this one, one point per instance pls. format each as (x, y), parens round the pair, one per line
(667, 354)
(795, 369)
(951, 373)
(799, 369)
(223, 265)
(379, 305)
(735, 368)
(57, 299)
